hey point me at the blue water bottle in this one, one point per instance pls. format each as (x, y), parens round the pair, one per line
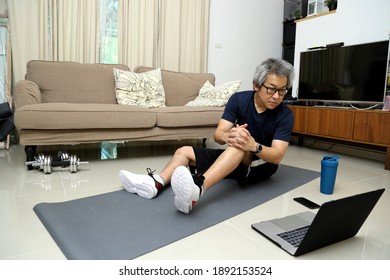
(329, 166)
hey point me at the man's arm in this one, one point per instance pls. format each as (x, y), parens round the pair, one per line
(275, 153)
(239, 137)
(222, 132)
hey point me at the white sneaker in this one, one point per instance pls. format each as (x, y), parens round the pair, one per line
(143, 185)
(187, 192)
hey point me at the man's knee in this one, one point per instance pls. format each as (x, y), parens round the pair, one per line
(235, 152)
(184, 150)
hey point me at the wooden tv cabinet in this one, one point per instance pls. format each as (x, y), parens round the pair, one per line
(368, 127)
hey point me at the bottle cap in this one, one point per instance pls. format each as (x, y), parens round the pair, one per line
(335, 158)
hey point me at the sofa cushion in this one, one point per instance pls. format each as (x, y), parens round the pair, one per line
(139, 89)
(210, 95)
(83, 116)
(181, 116)
(73, 82)
(180, 87)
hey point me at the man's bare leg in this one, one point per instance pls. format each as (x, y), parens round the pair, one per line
(226, 163)
(188, 189)
(150, 185)
(183, 156)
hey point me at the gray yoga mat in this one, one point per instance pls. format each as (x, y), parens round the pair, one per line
(121, 225)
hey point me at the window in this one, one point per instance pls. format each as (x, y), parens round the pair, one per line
(3, 59)
(108, 51)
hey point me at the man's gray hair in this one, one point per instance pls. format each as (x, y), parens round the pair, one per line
(276, 66)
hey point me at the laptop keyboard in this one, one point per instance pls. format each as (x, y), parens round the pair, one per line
(295, 236)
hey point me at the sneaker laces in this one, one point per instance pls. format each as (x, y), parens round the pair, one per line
(150, 172)
(158, 185)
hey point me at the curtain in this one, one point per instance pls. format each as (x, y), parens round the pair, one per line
(170, 34)
(137, 22)
(53, 30)
(75, 30)
(137, 32)
(28, 39)
(183, 40)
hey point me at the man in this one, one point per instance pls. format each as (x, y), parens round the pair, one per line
(256, 127)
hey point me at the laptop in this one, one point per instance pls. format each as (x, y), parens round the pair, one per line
(335, 221)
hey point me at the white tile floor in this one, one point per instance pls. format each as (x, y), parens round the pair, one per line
(23, 237)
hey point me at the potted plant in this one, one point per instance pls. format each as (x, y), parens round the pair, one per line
(297, 14)
(331, 4)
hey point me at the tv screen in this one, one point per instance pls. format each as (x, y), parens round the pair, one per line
(350, 74)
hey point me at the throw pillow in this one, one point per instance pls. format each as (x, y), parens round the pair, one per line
(210, 95)
(139, 89)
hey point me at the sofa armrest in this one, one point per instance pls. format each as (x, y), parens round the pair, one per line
(26, 92)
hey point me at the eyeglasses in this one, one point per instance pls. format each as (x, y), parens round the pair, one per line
(272, 91)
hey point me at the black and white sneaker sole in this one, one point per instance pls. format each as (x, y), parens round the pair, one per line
(141, 188)
(182, 184)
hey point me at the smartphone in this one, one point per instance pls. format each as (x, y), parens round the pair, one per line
(305, 202)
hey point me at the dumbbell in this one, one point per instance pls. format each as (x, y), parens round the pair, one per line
(39, 158)
(46, 163)
(61, 156)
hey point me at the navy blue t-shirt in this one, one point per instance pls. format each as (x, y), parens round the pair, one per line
(264, 127)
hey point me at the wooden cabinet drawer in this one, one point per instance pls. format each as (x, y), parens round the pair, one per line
(300, 114)
(336, 123)
(372, 127)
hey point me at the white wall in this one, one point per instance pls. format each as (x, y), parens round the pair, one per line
(242, 34)
(354, 22)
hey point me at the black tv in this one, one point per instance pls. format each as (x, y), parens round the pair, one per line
(349, 74)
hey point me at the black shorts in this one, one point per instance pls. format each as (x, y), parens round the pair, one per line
(205, 157)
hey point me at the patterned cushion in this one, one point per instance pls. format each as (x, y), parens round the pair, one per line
(215, 96)
(139, 89)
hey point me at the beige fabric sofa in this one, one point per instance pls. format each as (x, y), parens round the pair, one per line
(62, 103)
